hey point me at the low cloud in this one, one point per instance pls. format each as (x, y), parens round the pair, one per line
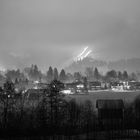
(18, 55)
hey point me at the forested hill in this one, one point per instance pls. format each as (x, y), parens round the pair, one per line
(131, 65)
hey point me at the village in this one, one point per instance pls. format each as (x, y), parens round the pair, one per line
(80, 87)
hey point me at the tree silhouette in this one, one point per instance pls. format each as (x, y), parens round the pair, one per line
(62, 76)
(89, 73)
(96, 74)
(14, 74)
(133, 77)
(111, 76)
(55, 102)
(77, 76)
(70, 77)
(125, 75)
(7, 100)
(34, 72)
(55, 75)
(120, 76)
(50, 74)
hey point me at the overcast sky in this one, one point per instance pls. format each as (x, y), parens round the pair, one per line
(52, 32)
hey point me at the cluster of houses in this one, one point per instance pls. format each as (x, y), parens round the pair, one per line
(125, 86)
(79, 87)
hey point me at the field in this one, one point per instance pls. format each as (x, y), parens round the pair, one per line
(127, 97)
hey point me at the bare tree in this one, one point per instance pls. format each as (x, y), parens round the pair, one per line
(7, 100)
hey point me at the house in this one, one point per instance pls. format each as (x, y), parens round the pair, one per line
(134, 85)
(75, 87)
(95, 85)
(118, 86)
(80, 87)
(110, 112)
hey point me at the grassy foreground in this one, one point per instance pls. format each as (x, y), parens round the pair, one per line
(127, 97)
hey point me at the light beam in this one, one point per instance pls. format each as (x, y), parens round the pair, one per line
(82, 52)
(87, 53)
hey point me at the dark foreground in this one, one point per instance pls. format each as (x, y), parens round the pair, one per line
(48, 115)
(100, 135)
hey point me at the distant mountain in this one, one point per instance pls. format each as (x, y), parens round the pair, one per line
(81, 65)
(131, 65)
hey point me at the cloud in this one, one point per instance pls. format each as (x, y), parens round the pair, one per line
(18, 55)
(51, 32)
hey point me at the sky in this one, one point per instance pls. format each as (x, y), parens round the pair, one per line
(53, 32)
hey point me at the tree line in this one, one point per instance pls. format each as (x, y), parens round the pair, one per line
(92, 74)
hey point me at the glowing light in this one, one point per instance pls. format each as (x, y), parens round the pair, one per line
(83, 54)
(80, 55)
(87, 53)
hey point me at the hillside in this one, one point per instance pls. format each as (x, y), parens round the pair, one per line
(131, 65)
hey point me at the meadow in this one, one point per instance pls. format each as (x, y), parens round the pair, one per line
(127, 97)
